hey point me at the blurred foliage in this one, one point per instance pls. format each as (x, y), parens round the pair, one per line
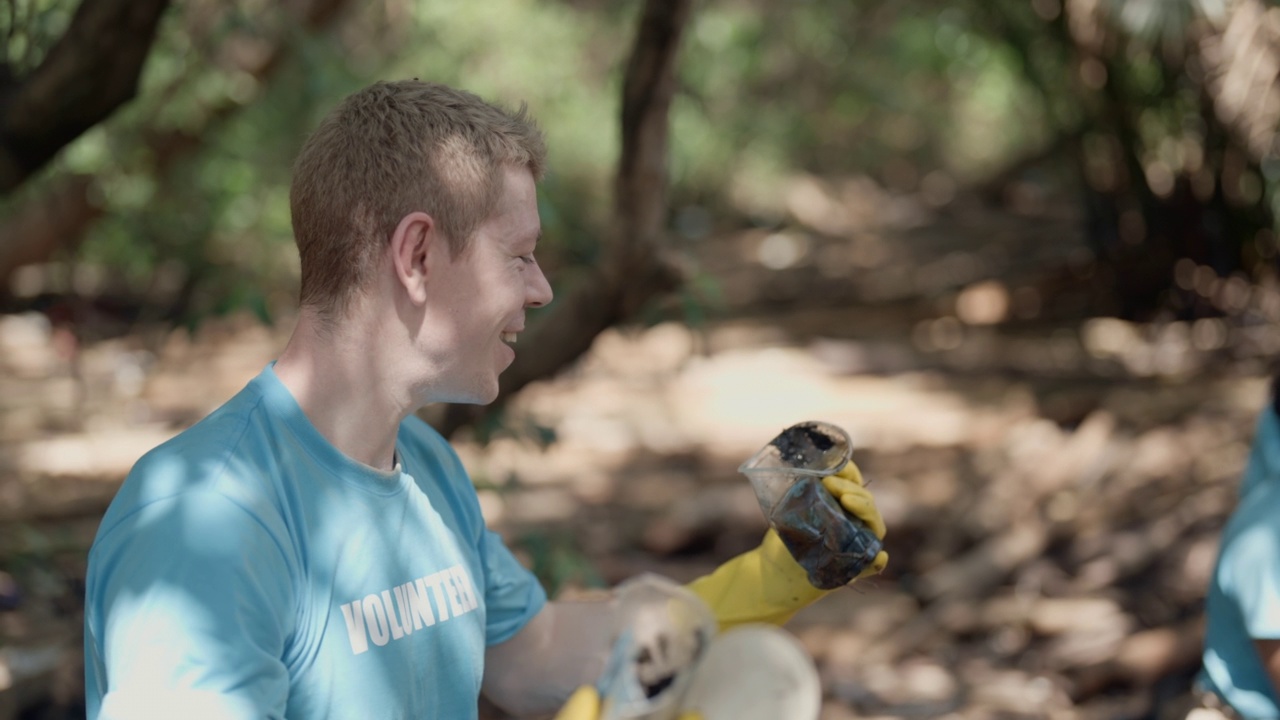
(842, 88)
(40, 563)
(28, 28)
(193, 175)
(557, 560)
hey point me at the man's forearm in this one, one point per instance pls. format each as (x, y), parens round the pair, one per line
(562, 648)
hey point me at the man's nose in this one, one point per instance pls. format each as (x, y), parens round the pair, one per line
(537, 290)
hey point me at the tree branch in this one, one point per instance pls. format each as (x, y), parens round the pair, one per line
(92, 70)
(42, 225)
(633, 268)
(33, 232)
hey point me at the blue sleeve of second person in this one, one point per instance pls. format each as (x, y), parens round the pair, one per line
(1249, 565)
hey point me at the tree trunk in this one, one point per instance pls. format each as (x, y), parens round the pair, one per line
(92, 70)
(60, 217)
(44, 224)
(634, 267)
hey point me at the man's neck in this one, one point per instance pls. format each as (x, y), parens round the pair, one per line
(336, 375)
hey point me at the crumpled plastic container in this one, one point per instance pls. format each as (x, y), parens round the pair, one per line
(668, 659)
(663, 631)
(786, 474)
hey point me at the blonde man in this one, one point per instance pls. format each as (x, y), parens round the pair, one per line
(313, 550)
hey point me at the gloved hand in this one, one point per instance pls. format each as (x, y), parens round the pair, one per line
(767, 585)
(584, 704)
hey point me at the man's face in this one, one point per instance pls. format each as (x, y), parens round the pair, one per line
(477, 301)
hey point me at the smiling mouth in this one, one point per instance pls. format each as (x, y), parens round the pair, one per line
(509, 338)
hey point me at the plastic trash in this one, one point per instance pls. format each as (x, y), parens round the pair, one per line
(668, 659)
(663, 631)
(786, 474)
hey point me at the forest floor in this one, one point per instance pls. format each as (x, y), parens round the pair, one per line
(1054, 484)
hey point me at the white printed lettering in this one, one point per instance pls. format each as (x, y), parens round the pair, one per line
(451, 587)
(396, 632)
(375, 619)
(465, 588)
(396, 612)
(355, 627)
(419, 603)
(433, 582)
(402, 609)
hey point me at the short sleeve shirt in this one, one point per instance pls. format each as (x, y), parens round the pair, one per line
(1243, 602)
(248, 569)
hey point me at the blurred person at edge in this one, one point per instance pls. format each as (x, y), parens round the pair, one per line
(1241, 661)
(311, 549)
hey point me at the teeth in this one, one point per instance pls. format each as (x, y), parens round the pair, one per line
(509, 338)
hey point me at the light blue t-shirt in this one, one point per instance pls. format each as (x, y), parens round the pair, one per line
(1243, 603)
(248, 569)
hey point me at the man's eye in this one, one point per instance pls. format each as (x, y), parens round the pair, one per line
(527, 259)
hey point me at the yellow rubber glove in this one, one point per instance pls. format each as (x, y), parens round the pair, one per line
(767, 585)
(584, 704)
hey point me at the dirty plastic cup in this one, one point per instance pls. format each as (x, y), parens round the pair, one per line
(663, 630)
(786, 474)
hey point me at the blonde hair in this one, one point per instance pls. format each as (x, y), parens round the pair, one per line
(386, 151)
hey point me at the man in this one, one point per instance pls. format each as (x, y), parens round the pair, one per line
(313, 550)
(1242, 635)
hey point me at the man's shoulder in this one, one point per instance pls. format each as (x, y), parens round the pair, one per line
(214, 438)
(217, 454)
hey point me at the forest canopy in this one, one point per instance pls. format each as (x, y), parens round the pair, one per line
(1155, 121)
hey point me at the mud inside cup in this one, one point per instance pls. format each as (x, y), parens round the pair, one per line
(668, 658)
(786, 474)
(663, 631)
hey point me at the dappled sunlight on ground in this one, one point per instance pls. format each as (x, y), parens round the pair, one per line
(1050, 535)
(1044, 561)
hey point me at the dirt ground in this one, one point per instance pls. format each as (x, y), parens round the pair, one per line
(1053, 486)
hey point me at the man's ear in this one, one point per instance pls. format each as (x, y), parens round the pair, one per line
(410, 251)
